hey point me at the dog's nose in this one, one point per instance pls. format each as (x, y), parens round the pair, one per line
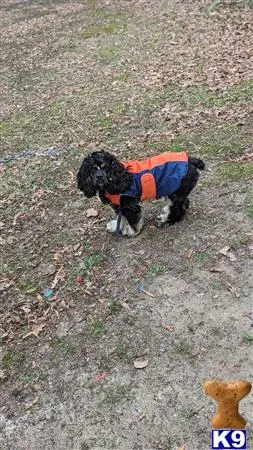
(100, 177)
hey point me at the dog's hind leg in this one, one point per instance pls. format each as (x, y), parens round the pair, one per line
(162, 217)
(178, 210)
(179, 199)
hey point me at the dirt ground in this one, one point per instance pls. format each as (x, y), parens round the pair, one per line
(136, 78)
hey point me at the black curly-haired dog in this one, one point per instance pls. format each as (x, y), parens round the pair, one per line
(124, 185)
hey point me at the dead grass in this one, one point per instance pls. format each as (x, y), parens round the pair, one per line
(125, 78)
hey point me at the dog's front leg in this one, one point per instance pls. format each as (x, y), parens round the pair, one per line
(111, 226)
(131, 222)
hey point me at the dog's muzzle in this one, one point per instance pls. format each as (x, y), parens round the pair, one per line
(99, 178)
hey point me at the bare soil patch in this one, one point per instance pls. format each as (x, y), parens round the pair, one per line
(78, 307)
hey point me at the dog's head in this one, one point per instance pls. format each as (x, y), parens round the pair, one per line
(102, 172)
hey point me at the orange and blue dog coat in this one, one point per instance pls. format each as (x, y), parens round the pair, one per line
(154, 177)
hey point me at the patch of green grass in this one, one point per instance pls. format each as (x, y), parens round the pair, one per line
(203, 96)
(6, 128)
(235, 171)
(123, 76)
(157, 270)
(200, 67)
(116, 396)
(28, 378)
(43, 376)
(11, 359)
(179, 145)
(114, 307)
(240, 241)
(97, 327)
(59, 107)
(105, 122)
(18, 123)
(30, 287)
(215, 6)
(240, 92)
(104, 28)
(6, 270)
(202, 257)
(224, 147)
(62, 346)
(30, 129)
(249, 202)
(91, 261)
(182, 348)
(250, 212)
(106, 443)
(151, 45)
(122, 351)
(217, 285)
(154, 146)
(189, 413)
(217, 331)
(41, 127)
(248, 339)
(108, 53)
(120, 110)
(200, 96)
(186, 267)
(222, 141)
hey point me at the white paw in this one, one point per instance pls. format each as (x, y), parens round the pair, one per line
(112, 226)
(163, 216)
(127, 230)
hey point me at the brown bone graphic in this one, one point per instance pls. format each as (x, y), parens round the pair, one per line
(227, 395)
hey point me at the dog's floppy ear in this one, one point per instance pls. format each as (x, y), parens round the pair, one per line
(84, 181)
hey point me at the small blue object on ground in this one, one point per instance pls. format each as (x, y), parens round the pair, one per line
(48, 292)
(141, 286)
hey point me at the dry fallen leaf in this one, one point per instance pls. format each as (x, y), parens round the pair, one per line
(58, 276)
(30, 405)
(57, 256)
(232, 289)
(92, 212)
(3, 375)
(189, 253)
(39, 193)
(142, 415)
(140, 363)
(20, 215)
(225, 251)
(35, 331)
(169, 327)
(45, 269)
(125, 305)
(231, 256)
(216, 269)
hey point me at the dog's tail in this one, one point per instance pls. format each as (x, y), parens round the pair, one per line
(197, 163)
